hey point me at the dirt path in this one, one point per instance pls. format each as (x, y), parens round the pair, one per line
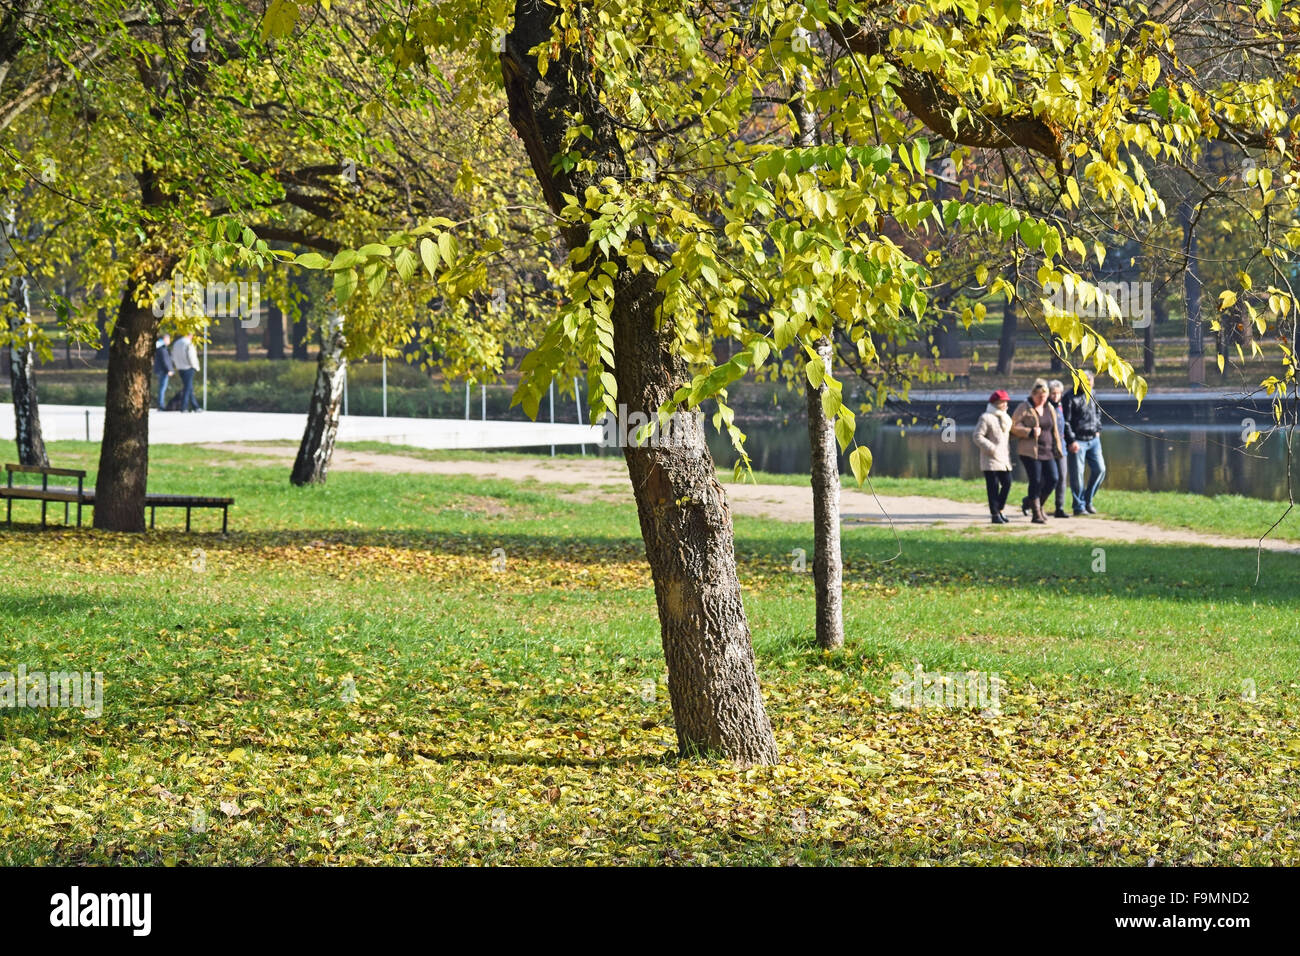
(607, 479)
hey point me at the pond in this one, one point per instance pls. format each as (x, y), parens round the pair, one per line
(1202, 457)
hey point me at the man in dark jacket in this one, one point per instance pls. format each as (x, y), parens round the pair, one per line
(1083, 443)
(163, 368)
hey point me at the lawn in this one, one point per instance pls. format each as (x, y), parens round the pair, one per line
(354, 676)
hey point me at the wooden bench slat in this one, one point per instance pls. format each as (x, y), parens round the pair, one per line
(41, 494)
(38, 470)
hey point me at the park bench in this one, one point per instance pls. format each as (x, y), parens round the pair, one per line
(86, 496)
(188, 502)
(958, 369)
(45, 493)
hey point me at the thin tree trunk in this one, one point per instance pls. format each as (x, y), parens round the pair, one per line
(274, 332)
(828, 573)
(101, 323)
(685, 521)
(828, 583)
(124, 452)
(27, 410)
(241, 340)
(22, 362)
(1161, 313)
(1192, 296)
(317, 446)
(1007, 338)
(299, 336)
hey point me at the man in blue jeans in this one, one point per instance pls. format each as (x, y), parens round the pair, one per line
(1083, 442)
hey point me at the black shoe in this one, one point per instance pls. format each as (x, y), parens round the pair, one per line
(1079, 512)
(997, 520)
(1091, 510)
(1003, 516)
(1024, 506)
(1059, 513)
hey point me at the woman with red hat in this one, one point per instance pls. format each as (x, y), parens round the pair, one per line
(993, 436)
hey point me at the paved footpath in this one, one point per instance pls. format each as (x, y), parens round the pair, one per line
(606, 479)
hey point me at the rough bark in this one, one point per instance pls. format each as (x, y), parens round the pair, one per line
(124, 452)
(685, 522)
(1192, 296)
(27, 410)
(828, 573)
(317, 446)
(1007, 338)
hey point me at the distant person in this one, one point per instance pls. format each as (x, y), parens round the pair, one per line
(1055, 394)
(187, 363)
(1034, 423)
(163, 368)
(993, 436)
(1083, 441)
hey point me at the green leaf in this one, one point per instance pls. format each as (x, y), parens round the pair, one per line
(280, 17)
(429, 255)
(345, 283)
(405, 264)
(860, 462)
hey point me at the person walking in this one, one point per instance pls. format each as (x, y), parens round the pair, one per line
(1055, 395)
(993, 436)
(187, 363)
(163, 368)
(1034, 423)
(1083, 442)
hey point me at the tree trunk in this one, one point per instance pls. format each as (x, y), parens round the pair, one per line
(101, 323)
(27, 410)
(299, 336)
(241, 340)
(22, 360)
(828, 584)
(1192, 296)
(827, 563)
(124, 452)
(1161, 314)
(274, 338)
(317, 445)
(712, 678)
(1007, 338)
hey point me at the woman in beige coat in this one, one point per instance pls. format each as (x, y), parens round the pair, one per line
(1040, 445)
(993, 437)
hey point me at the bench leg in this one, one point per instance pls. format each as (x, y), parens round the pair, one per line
(43, 503)
(224, 513)
(187, 520)
(65, 513)
(153, 515)
(78, 512)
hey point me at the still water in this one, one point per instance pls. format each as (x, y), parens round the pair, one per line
(1203, 458)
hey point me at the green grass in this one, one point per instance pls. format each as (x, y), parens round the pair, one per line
(349, 677)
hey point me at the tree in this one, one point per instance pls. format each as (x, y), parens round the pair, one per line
(650, 131)
(22, 365)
